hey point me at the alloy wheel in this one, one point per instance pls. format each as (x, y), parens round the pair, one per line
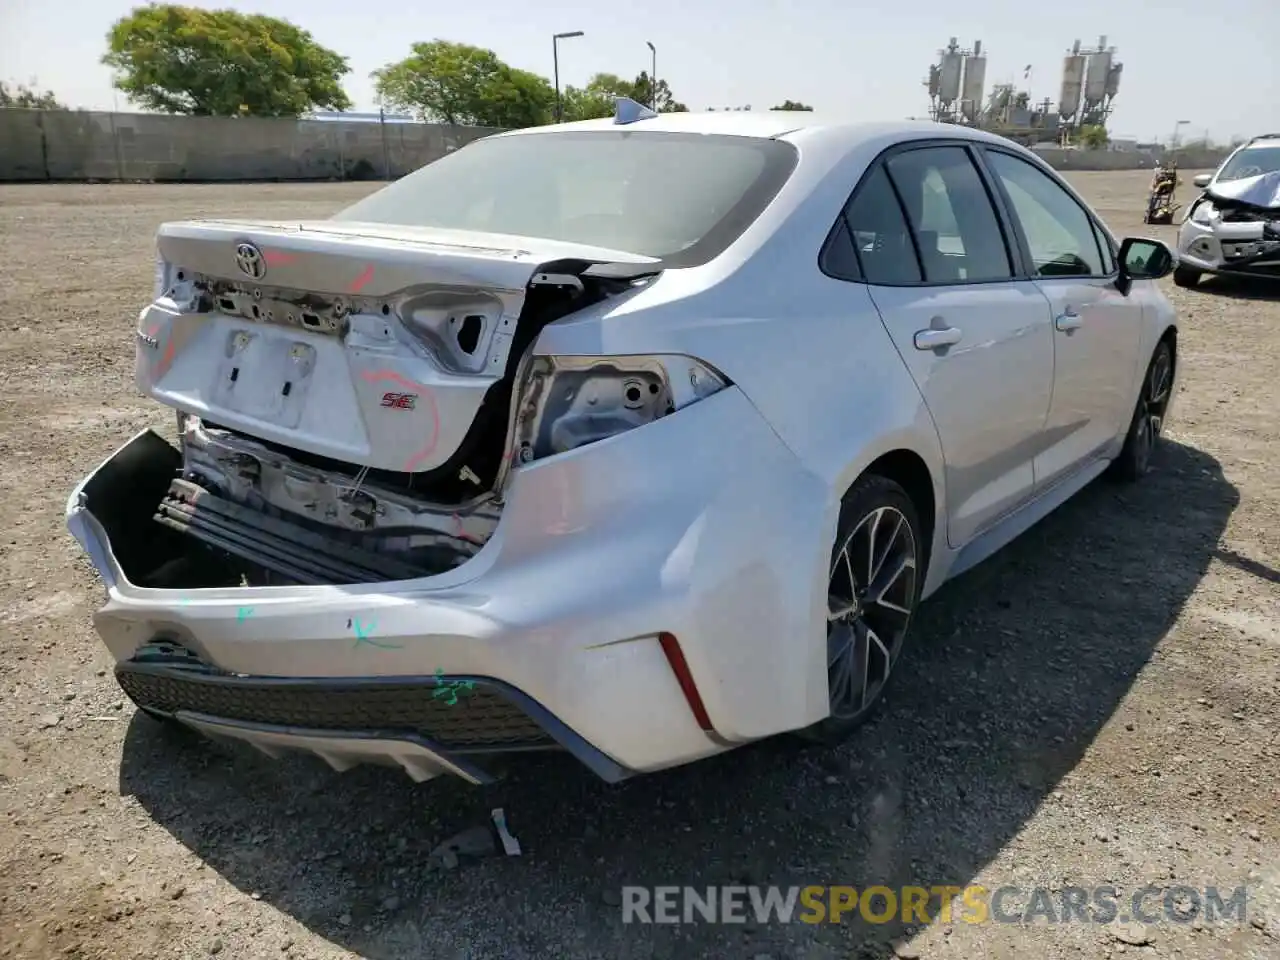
(1154, 401)
(870, 598)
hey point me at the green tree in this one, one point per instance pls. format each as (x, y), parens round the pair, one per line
(792, 105)
(29, 98)
(1094, 136)
(642, 92)
(461, 84)
(222, 63)
(595, 100)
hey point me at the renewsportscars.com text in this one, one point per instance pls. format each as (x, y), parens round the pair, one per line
(972, 904)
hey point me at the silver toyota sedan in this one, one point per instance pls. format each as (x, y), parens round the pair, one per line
(638, 438)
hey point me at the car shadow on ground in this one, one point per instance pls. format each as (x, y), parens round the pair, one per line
(1242, 288)
(1015, 667)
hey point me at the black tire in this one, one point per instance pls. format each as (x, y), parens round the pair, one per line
(1185, 277)
(877, 521)
(1140, 443)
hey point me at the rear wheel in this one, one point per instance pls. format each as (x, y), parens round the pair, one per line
(873, 588)
(1134, 461)
(1185, 276)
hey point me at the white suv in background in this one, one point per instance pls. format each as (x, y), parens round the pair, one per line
(1234, 226)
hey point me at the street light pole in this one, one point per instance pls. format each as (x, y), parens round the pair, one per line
(1177, 127)
(653, 76)
(555, 61)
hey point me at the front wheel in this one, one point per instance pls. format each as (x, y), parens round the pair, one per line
(873, 588)
(1134, 461)
(1185, 277)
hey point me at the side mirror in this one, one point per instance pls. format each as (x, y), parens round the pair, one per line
(1201, 180)
(1142, 259)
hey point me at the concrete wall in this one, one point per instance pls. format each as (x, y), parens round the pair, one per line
(1128, 160)
(84, 145)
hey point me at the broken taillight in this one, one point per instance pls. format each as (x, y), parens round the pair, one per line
(568, 402)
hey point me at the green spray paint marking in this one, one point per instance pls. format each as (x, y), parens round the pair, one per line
(362, 635)
(450, 688)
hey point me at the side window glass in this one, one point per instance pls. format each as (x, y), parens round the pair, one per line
(951, 215)
(1059, 233)
(838, 258)
(880, 234)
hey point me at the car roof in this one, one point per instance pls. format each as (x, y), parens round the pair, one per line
(775, 124)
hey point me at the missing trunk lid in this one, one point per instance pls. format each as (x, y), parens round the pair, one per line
(239, 510)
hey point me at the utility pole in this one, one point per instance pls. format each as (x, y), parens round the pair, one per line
(1176, 127)
(555, 61)
(653, 77)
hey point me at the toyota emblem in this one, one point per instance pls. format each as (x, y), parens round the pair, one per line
(250, 261)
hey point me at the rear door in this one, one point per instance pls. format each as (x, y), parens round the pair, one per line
(976, 339)
(1097, 329)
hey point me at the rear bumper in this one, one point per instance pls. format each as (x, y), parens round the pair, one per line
(425, 725)
(555, 621)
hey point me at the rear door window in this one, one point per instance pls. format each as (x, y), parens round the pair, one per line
(879, 232)
(952, 219)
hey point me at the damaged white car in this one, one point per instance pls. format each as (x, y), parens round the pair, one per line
(639, 439)
(1233, 228)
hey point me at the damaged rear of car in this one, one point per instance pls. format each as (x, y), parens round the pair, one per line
(1233, 228)
(345, 392)
(340, 535)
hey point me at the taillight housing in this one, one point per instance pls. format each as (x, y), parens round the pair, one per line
(568, 402)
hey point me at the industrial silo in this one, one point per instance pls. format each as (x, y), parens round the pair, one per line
(934, 82)
(1113, 79)
(975, 77)
(1073, 65)
(949, 73)
(1098, 72)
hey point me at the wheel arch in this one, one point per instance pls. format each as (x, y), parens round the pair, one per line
(1170, 336)
(908, 470)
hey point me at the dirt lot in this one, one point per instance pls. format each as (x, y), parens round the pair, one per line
(1098, 705)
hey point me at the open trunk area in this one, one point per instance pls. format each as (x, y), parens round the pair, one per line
(171, 529)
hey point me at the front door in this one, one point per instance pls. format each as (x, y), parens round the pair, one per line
(977, 341)
(1096, 327)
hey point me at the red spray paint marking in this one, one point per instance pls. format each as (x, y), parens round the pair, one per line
(361, 281)
(461, 533)
(278, 258)
(373, 376)
(169, 346)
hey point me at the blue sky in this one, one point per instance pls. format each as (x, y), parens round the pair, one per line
(1183, 59)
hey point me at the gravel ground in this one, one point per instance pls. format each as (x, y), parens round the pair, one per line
(1096, 705)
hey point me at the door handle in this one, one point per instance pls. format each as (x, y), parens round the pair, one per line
(936, 337)
(1068, 320)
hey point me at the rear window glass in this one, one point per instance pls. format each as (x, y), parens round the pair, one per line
(678, 197)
